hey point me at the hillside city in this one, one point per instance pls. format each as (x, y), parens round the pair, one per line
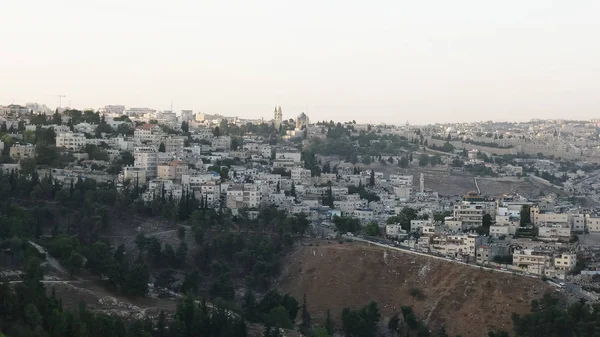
(512, 198)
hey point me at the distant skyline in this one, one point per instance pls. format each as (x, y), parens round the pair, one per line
(383, 61)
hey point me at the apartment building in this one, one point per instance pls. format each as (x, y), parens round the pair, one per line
(70, 140)
(194, 182)
(578, 223)
(401, 180)
(135, 175)
(348, 206)
(534, 261)
(22, 151)
(364, 214)
(554, 232)
(456, 244)
(235, 197)
(566, 261)
(593, 224)
(174, 145)
(221, 143)
(301, 175)
(173, 170)
(286, 163)
(146, 157)
(471, 214)
(486, 253)
(395, 231)
(503, 230)
(538, 217)
(147, 133)
(294, 156)
(209, 192)
(415, 225)
(252, 197)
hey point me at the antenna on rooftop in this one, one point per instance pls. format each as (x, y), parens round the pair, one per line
(60, 97)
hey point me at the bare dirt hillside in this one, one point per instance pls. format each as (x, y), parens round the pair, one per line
(466, 300)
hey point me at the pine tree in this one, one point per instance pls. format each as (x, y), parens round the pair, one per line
(329, 326)
(306, 319)
(372, 178)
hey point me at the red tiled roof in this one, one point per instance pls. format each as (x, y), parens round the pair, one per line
(147, 126)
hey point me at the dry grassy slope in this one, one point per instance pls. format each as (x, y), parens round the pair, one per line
(468, 301)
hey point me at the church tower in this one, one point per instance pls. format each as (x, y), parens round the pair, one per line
(278, 117)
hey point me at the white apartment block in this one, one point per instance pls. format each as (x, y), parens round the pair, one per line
(147, 133)
(456, 244)
(401, 180)
(415, 225)
(252, 196)
(194, 182)
(298, 209)
(402, 192)
(565, 261)
(134, 174)
(364, 214)
(503, 230)
(221, 143)
(265, 150)
(554, 231)
(22, 151)
(593, 224)
(301, 175)
(70, 140)
(394, 231)
(348, 206)
(455, 225)
(235, 198)
(174, 145)
(286, 163)
(210, 192)
(579, 222)
(295, 157)
(533, 261)
(471, 214)
(146, 157)
(537, 217)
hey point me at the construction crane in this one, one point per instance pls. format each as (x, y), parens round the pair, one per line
(60, 97)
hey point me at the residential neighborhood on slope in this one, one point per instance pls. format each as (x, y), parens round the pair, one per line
(348, 178)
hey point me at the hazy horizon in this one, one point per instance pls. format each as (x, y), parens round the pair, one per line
(388, 61)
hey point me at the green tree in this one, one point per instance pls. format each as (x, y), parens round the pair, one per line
(161, 147)
(525, 215)
(487, 220)
(423, 160)
(372, 229)
(136, 281)
(75, 262)
(372, 178)
(329, 325)
(306, 319)
(394, 324)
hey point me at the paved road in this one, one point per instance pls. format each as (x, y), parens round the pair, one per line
(405, 250)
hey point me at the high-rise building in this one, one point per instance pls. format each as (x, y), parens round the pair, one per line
(278, 117)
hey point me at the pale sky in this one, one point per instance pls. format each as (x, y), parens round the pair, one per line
(373, 61)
